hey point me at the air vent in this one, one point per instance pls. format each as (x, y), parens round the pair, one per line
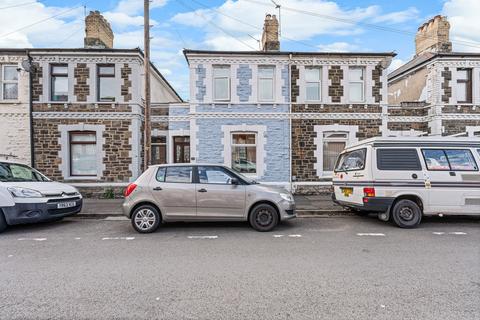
(398, 159)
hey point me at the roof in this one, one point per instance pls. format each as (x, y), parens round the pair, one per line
(92, 50)
(425, 57)
(440, 141)
(286, 53)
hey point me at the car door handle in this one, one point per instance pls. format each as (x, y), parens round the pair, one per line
(453, 174)
(202, 190)
(157, 189)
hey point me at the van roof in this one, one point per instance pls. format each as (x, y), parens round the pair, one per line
(438, 141)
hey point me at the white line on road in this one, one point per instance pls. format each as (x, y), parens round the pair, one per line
(202, 237)
(295, 235)
(32, 239)
(119, 238)
(438, 233)
(278, 235)
(371, 234)
(10, 255)
(458, 233)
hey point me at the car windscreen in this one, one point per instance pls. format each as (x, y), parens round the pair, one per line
(351, 161)
(12, 172)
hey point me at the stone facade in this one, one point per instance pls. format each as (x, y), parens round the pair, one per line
(447, 89)
(377, 83)
(126, 71)
(81, 89)
(335, 90)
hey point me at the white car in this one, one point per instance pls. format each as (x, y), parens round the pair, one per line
(28, 196)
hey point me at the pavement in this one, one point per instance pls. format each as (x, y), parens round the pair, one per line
(306, 206)
(308, 268)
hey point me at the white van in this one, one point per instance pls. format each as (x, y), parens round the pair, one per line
(405, 178)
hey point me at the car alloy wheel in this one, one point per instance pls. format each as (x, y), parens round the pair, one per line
(145, 219)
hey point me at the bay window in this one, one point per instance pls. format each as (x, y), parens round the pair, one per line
(59, 82)
(83, 153)
(356, 78)
(9, 82)
(313, 83)
(266, 82)
(106, 83)
(221, 83)
(244, 152)
(464, 85)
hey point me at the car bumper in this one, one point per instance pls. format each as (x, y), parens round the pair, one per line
(38, 212)
(288, 210)
(372, 204)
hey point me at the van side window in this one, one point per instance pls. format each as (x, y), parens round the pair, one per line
(461, 160)
(436, 159)
(161, 174)
(398, 159)
(351, 161)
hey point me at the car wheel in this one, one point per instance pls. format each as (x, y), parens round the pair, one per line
(145, 219)
(263, 218)
(406, 214)
(3, 222)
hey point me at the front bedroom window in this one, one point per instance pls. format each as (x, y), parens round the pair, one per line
(244, 152)
(313, 83)
(333, 144)
(221, 83)
(356, 84)
(83, 153)
(10, 83)
(265, 83)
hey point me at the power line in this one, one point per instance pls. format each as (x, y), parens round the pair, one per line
(71, 35)
(39, 21)
(368, 25)
(18, 5)
(217, 26)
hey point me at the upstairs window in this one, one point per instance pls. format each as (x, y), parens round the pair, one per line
(106, 83)
(266, 83)
(59, 82)
(356, 78)
(221, 83)
(244, 152)
(464, 85)
(9, 82)
(313, 83)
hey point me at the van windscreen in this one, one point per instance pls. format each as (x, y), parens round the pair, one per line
(351, 161)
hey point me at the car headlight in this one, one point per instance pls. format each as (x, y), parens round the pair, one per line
(286, 196)
(24, 192)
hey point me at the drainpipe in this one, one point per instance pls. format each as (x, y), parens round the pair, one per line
(30, 97)
(290, 117)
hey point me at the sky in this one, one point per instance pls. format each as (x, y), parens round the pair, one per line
(306, 25)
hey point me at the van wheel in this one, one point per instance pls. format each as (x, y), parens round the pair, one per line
(3, 222)
(263, 218)
(406, 214)
(145, 219)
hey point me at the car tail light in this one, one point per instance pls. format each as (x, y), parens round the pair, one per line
(369, 192)
(129, 189)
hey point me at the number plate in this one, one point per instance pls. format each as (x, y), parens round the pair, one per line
(347, 191)
(64, 205)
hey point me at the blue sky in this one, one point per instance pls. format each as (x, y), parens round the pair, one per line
(231, 24)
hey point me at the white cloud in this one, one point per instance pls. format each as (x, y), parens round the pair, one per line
(338, 47)
(398, 16)
(136, 6)
(396, 63)
(463, 16)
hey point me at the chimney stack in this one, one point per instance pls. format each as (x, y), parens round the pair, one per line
(270, 34)
(433, 36)
(98, 33)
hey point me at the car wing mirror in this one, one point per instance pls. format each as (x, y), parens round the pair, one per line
(234, 181)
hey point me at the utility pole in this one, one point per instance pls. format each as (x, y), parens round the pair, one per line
(148, 129)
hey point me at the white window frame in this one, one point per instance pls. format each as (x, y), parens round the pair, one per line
(319, 82)
(362, 82)
(3, 81)
(320, 131)
(229, 82)
(64, 153)
(261, 143)
(233, 145)
(272, 78)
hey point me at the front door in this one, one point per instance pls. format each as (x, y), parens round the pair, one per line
(181, 149)
(216, 196)
(175, 192)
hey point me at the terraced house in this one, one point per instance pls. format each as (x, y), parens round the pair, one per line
(88, 112)
(438, 91)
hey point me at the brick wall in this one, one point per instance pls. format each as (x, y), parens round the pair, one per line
(335, 89)
(294, 80)
(81, 89)
(37, 85)
(447, 89)
(458, 126)
(126, 71)
(377, 83)
(318, 108)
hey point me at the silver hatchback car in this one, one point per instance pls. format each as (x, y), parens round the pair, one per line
(203, 192)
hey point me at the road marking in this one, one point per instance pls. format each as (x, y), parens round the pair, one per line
(458, 233)
(278, 235)
(295, 235)
(10, 255)
(78, 238)
(157, 298)
(202, 237)
(32, 239)
(119, 238)
(438, 233)
(371, 234)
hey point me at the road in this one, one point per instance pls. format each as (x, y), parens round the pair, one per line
(309, 268)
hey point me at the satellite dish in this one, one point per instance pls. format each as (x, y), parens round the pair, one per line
(26, 65)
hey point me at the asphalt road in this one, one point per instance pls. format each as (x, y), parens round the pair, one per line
(310, 268)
